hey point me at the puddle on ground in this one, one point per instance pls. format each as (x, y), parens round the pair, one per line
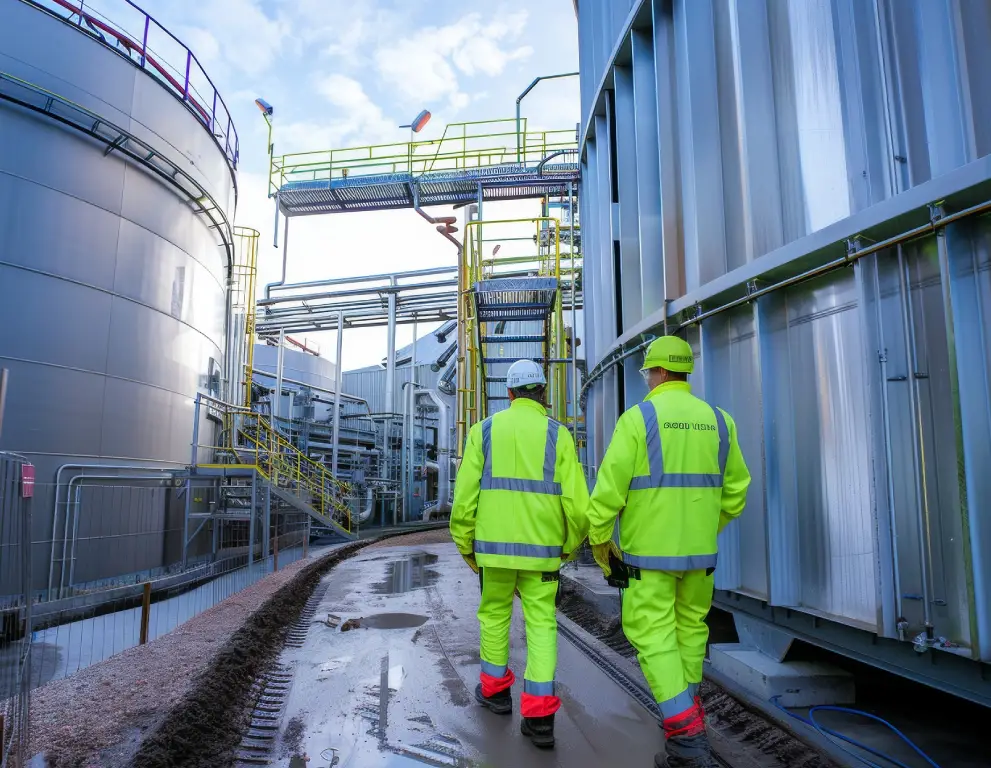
(408, 573)
(391, 621)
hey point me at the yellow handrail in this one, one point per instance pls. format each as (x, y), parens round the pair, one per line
(462, 146)
(250, 440)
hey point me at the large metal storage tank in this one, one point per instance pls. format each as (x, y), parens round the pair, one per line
(795, 186)
(113, 288)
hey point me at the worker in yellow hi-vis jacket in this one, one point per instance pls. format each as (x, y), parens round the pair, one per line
(672, 478)
(520, 506)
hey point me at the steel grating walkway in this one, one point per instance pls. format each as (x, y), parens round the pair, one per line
(388, 191)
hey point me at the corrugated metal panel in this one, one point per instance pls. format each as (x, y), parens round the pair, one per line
(861, 398)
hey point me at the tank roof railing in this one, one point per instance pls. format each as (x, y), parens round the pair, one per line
(173, 64)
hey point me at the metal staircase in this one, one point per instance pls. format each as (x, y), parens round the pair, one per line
(250, 445)
(514, 291)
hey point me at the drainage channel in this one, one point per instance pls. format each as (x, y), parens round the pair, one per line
(270, 693)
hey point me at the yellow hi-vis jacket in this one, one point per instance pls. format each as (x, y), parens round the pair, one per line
(675, 477)
(520, 498)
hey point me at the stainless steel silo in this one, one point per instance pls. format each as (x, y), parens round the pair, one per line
(113, 268)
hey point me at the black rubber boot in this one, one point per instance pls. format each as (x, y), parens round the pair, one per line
(501, 703)
(686, 752)
(540, 730)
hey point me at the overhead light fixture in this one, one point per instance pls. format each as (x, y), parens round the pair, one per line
(418, 122)
(264, 106)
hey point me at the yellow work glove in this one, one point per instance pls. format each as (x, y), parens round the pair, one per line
(601, 554)
(470, 559)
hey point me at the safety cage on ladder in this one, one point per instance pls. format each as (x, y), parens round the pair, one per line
(516, 278)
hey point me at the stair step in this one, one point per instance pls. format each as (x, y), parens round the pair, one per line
(509, 339)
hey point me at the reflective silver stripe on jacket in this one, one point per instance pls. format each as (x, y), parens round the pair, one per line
(670, 562)
(515, 549)
(523, 485)
(655, 457)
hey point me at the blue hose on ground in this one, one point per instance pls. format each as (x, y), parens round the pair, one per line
(827, 732)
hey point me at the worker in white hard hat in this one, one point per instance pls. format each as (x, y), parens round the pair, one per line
(520, 506)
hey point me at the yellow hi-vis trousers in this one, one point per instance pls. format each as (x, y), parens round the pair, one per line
(664, 619)
(537, 593)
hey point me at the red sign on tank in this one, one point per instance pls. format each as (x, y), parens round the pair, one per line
(27, 480)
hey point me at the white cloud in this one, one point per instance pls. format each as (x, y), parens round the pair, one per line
(355, 119)
(424, 66)
(234, 33)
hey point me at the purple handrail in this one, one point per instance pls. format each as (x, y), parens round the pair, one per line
(184, 89)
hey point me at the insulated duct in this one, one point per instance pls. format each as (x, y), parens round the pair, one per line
(443, 505)
(366, 514)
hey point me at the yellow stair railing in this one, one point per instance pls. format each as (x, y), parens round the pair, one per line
(249, 440)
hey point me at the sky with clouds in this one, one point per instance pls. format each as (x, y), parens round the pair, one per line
(347, 73)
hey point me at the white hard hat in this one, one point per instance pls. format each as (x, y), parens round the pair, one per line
(524, 373)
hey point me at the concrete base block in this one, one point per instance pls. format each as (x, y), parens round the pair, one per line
(798, 683)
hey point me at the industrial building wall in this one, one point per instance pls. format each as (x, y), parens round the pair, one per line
(370, 384)
(296, 364)
(112, 290)
(730, 147)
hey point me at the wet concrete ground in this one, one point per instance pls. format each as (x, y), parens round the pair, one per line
(397, 690)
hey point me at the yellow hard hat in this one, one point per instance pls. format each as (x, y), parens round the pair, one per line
(669, 353)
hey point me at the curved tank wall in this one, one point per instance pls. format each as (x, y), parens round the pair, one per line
(112, 290)
(728, 150)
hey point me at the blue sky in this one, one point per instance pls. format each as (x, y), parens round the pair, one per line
(348, 73)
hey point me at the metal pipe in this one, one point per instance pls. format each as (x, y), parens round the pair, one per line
(918, 453)
(384, 277)
(407, 508)
(404, 459)
(75, 515)
(377, 289)
(285, 249)
(932, 227)
(443, 455)
(574, 312)
(338, 384)
(551, 156)
(275, 227)
(305, 385)
(279, 363)
(365, 515)
(445, 385)
(434, 221)
(390, 385)
(55, 508)
(4, 377)
(886, 425)
(251, 520)
(522, 95)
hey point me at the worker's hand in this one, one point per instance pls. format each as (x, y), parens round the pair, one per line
(601, 554)
(470, 559)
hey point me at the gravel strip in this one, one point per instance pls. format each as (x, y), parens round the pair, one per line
(421, 539)
(110, 704)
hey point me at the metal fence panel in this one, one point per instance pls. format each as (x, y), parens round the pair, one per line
(16, 480)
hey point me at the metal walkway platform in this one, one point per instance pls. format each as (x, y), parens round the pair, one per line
(491, 160)
(402, 190)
